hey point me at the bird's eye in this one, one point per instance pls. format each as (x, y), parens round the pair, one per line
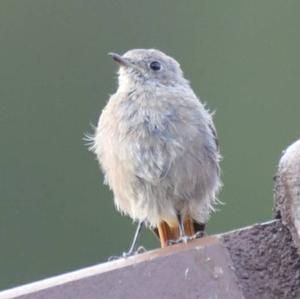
(155, 66)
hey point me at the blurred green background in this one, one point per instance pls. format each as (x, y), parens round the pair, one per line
(242, 58)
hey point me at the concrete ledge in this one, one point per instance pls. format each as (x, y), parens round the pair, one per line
(266, 261)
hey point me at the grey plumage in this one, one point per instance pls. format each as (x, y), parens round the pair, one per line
(156, 143)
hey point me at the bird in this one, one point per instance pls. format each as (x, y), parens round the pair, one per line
(158, 148)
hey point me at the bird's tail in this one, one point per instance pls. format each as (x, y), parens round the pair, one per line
(167, 233)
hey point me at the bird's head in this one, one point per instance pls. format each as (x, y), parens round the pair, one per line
(148, 67)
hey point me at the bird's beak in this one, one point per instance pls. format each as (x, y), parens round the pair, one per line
(119, 59)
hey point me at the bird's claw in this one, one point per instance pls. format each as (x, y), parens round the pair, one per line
(178, 241)
(198, 235)
(113, 258)
(141, 249)
(186, 239)
(125, 255)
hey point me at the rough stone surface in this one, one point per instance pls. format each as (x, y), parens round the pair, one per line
(287, 190)
(266, 261)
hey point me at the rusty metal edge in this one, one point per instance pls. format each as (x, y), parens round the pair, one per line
(103, 267)
(114, 265)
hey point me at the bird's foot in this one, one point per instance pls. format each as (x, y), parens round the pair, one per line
(186, 239)
(183, 239)
(141, 249)
(124, 255)
(198, 235)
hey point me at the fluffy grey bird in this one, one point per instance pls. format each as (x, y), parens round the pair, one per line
(157, 146)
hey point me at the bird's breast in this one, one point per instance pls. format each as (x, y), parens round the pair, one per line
(153, 120)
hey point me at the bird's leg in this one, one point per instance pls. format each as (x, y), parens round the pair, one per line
(182, 236)
(132, 250)
(188, 230)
